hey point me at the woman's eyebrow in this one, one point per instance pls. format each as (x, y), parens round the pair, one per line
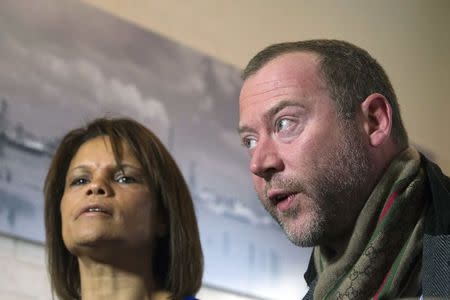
(122, 166)
(80, 167)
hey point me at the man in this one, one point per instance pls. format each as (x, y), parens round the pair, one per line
(330, 161)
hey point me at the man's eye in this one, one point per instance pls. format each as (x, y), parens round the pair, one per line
(249, 143)
(78, 181)
(283, 124)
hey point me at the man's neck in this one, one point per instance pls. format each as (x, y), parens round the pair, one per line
(335, 246)
(332, 251)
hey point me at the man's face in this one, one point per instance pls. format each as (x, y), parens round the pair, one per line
(310, 168)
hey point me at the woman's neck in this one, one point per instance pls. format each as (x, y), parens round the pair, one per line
(130, 281)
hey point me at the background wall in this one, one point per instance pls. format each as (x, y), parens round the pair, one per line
(23, 275)
(409, 38)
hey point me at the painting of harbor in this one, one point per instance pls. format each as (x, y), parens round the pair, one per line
(57, 73)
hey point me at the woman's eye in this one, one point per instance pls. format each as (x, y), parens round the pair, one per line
(125, 179)
(283, 124)
(249, 142)
(78, 181)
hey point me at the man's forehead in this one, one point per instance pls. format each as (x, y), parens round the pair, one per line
(288, 70)
(276, 85)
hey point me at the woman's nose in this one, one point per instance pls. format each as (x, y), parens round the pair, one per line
(99, 188)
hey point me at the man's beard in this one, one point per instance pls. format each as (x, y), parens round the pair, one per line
(335, 192)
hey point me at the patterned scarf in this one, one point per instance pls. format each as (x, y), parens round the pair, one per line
(383, 257)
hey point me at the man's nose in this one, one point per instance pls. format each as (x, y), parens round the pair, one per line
(265, 160)
(99, 187)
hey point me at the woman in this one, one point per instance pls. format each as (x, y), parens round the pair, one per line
(120, 222)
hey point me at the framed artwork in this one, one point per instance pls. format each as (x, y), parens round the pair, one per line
(63, 63)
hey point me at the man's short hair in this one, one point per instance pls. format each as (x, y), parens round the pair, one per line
(350, 73)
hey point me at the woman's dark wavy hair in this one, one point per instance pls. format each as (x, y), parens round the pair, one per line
(178, 257)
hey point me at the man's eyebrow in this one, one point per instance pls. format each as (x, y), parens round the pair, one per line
(271, 112)
(245, 128)
(278, 107)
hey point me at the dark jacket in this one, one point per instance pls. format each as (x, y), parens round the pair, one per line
(436, 240)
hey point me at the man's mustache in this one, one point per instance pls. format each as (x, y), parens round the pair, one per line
(287, 185)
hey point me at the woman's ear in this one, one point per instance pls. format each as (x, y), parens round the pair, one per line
(377, 119)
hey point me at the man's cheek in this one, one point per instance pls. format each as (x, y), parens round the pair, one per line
(259, 185)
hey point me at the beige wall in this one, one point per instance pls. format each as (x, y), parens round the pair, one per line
(410, 39)
(23, 275)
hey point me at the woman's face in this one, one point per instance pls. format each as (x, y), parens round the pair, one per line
(105, 205)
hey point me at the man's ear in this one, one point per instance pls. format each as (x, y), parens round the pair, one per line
(377, 119)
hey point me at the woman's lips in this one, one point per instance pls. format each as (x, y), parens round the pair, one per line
(95, 210)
